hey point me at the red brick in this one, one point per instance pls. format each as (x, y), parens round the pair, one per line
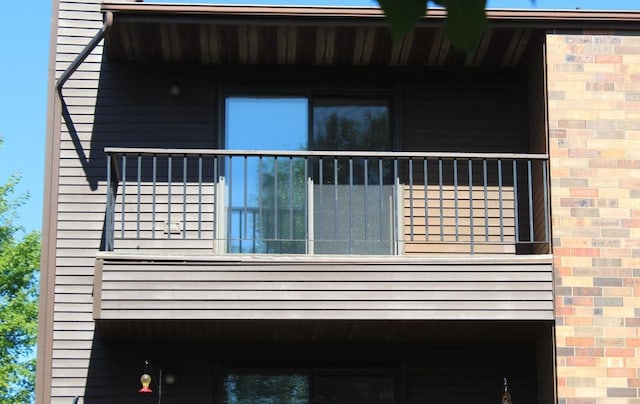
(585, 291)
(583, 193)
(621, 352)
(608, 58)
(564, 311)
(621, 372)
(589, 351)
(609, 77)
(630, 223)
(580, 341)
(582, 361)
(585, 252)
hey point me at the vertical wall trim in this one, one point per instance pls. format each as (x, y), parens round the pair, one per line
(97, 290)
(49, 223)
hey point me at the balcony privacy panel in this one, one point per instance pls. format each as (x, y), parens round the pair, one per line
(448, 221)
(355, 219)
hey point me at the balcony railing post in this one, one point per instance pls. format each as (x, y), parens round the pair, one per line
(112, 191)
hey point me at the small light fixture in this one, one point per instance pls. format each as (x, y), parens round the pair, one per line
(145, 380)
(175, 89)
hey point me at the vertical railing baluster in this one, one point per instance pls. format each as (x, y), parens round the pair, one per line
(260, 196)
(500, 208)
(530, 186)
(229, 199)
(216, 200)
(254, 234)
(305, 203)
(184, 197)
(169, 191)
(245, 198)
(366, 184)
(545, 201)
(290, 199)
(124, 196)
(110, 207)
(139, 186)
(241, 236)
(381, 198)
(275, 196)
(351, 221)
(199, 197)
(410, 163)
(471, 224)
(426, 197)
(394, 204)
(440, 184)
(335, 198)
(455, 197)
(515, 200)
(486, 199)
(320, 198)
(154, 178)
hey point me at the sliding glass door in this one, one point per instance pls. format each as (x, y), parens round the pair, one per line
(267, 208)
(353, 198)
(330, 204)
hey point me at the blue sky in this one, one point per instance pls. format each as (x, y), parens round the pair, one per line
(24, 47)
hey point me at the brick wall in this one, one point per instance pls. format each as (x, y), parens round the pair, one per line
(594, 127)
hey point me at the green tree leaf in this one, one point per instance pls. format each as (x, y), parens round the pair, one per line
(466, 19)
(466, 22)
(402, 15)
(19, 263)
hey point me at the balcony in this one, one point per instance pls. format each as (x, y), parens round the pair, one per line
(224, 234)
(221, 202)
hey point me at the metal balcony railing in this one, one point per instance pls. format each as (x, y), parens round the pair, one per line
(308, 202)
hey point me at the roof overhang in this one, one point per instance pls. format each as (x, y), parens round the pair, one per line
(307, 35)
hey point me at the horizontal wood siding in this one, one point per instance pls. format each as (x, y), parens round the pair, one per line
(455, 221)
(299, 289)
(465, 111)
(107, 104)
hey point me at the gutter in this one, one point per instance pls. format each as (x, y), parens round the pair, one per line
(108, 21)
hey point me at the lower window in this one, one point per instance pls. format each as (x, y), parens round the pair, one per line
(307, 388)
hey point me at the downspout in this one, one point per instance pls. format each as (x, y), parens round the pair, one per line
(108, 21)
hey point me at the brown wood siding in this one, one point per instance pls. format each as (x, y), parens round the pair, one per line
(299, 289)
(465, 111)
(106, 105)
(143, 223)
(72, 334)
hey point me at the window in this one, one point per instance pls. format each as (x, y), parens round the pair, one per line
(351, 124)
(306, 388)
